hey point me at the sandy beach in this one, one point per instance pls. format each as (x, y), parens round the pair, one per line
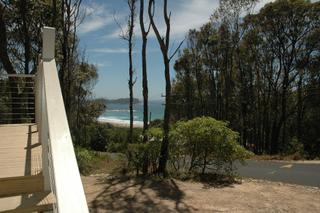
(121, 123)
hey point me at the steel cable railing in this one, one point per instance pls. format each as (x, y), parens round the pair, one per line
(17, 99)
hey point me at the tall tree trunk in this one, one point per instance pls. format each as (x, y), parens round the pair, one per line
(300, 107)
(164, 43)
(199, 81)
(164, 154)
(283, 120)
(131, 4)
(144, 34)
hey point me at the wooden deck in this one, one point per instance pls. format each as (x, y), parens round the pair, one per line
(35, 202)
(20, 150)
(21, 181)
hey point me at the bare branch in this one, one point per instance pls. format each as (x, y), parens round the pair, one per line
(177, 49)
(122, 34)
(154, 27)
(152, 14)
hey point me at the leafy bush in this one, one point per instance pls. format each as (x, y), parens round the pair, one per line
(117, 138)
(84, 159)
(136, 153)
(157, 123)
(202, 142)
(98, 136)
(140, 153)
(155, 136)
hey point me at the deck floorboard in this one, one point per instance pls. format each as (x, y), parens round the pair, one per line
(20, 150)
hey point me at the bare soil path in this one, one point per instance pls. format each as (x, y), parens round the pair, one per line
(106, 194)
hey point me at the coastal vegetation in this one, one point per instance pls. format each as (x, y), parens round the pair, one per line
(243, 81)
(259, 72)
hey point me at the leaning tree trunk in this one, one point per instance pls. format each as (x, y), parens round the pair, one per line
(164, 43)
(131, 21)
(164, 154)
(144, 35)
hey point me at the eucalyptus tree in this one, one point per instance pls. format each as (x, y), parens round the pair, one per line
(144, 34)
(259, 73)
(164, 43)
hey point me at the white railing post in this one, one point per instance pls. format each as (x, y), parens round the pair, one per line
(48, 43)
(58, 151)
(48, 49)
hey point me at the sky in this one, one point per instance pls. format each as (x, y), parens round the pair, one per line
(99, 37)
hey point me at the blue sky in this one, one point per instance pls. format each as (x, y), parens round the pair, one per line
(99, 36)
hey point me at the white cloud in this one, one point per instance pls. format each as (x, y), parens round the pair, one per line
(96, 17)
(191, 15)
(120, 24)
(113, 34)
(185, 15)
(109, 50)
(194, 14)
(120, 50)
(104, 64)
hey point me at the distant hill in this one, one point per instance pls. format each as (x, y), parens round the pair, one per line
(121, 101)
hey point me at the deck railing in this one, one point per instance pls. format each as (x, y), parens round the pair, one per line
(60, 169)
(16, 98)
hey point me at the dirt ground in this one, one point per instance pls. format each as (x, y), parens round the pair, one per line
(110, 194)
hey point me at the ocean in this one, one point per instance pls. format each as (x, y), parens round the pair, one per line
(119, 113)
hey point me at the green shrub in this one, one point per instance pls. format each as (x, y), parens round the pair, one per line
(157, 123)
(98, 135)
(203, 143)
(155, 136)
(140, 153)
(117, 138)
(84, 159)
(136, 153)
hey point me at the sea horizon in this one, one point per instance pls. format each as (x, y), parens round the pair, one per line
(119, 113)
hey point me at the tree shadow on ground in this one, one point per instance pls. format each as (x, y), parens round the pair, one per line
(140, 195)
(213, 180)
(217, 180)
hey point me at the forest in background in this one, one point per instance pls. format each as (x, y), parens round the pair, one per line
(259, 72)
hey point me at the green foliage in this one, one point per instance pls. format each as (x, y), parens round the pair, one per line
(295, 147)
(260, 72)
(84, 158)
(136, 153)
(155, 136)
(97, 135)
(156, 123)
(140, 153)
(197, 144)
(203, 142)
(118, 139)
